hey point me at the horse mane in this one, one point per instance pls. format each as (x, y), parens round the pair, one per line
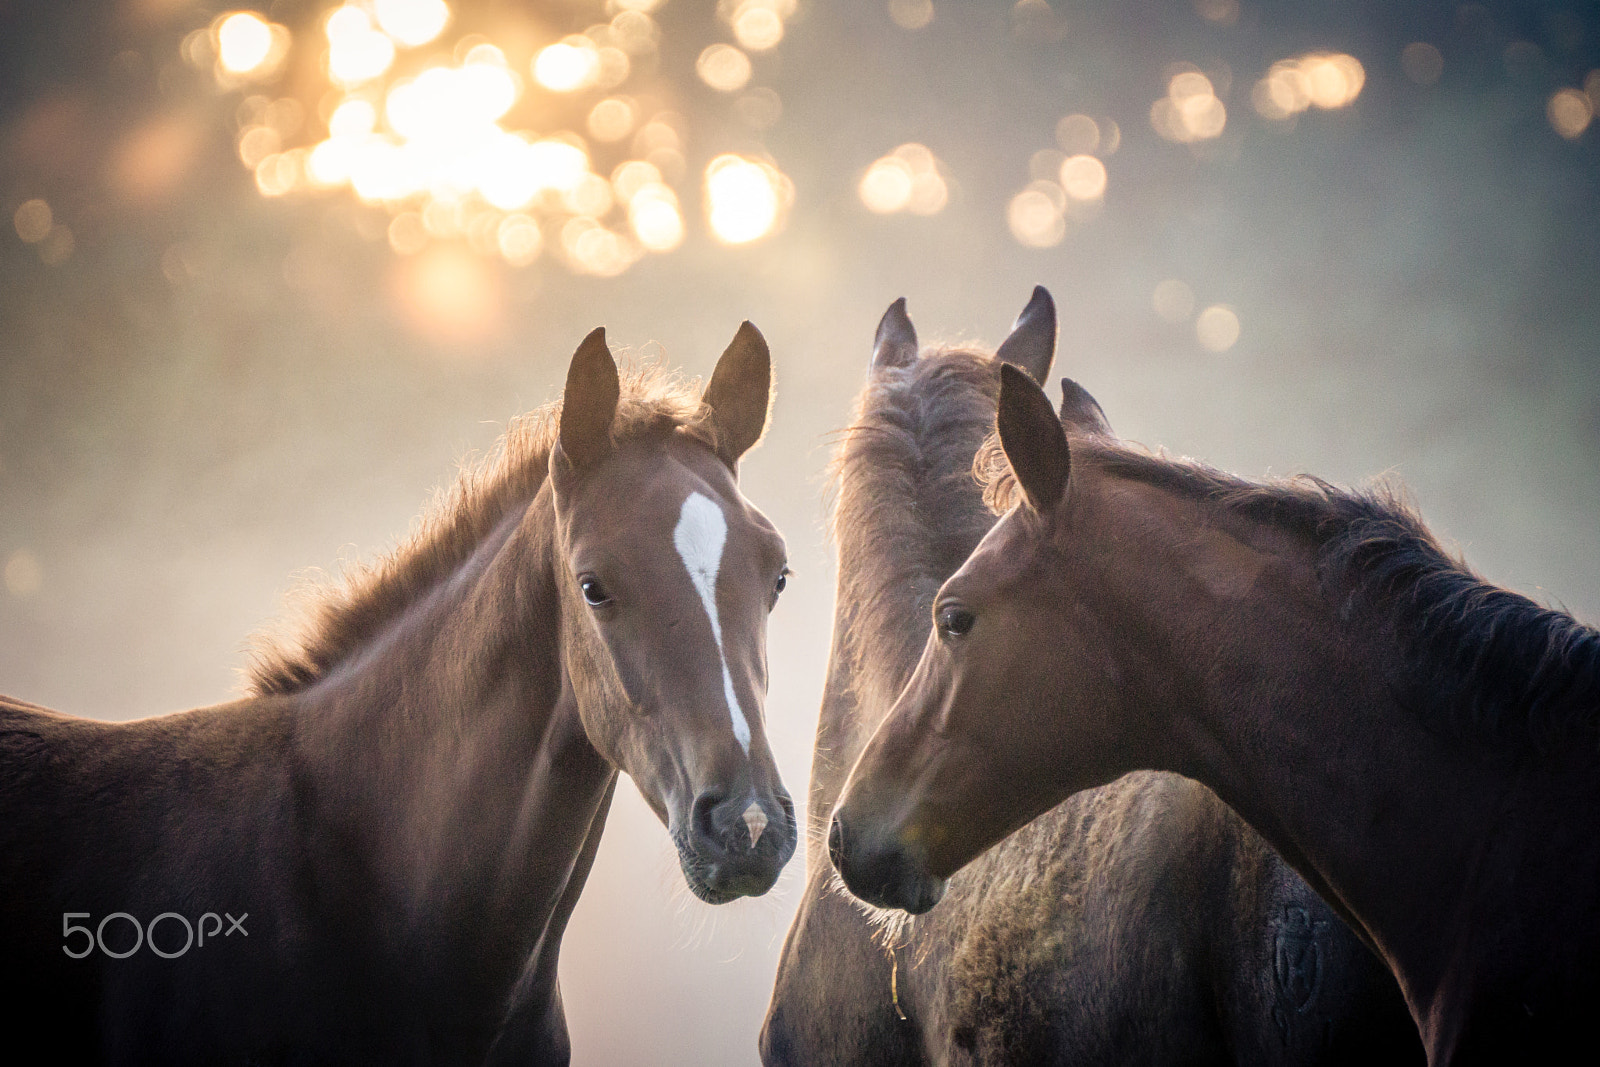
(347, 613)
(902, 479)
(902, 487)
(1483, 661)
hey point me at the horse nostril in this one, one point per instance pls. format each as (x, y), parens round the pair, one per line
(835, 842)
(702, 815)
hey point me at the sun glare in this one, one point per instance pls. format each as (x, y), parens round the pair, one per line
(744, 198)
(432, 129)
(568, 65)
(412, 22)
(244, 41)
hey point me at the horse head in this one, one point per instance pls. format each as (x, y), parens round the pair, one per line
(669, 576)
(965, 756)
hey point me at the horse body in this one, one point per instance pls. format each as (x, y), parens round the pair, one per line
(1418, 744)
(405, 812)
(1140, 922)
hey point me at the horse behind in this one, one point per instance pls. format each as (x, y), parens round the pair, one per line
(1422, 746)
(398, 821)
(1141, 922)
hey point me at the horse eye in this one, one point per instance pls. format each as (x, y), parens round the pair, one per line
(783, 581)
(955, 622)
(594, 594)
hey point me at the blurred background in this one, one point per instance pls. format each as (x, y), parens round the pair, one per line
(267, 273)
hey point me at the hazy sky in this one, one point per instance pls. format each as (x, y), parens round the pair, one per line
(205, 393)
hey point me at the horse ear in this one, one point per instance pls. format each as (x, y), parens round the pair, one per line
(1033, 439)
(1081, 411)
(896, 343)
(740, 393)
(1032, 342)
(589, 402)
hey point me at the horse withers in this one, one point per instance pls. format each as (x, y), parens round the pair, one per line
(1422, 746)
(1141, 922)
(373, 857)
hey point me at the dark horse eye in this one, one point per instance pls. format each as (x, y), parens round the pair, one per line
(783, 582)
(954, 622)
(594, 594)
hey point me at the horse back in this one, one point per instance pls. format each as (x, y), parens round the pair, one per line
(169, 815)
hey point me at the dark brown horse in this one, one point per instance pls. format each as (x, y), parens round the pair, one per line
(397, 823)
(1418, 743)
(1138, 923)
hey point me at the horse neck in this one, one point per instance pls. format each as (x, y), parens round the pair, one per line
(448, 753)
(1279, 704)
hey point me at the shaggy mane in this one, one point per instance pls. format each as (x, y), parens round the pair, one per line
(903, 486)
(348, 613)
(902, 483)
(1485, 662)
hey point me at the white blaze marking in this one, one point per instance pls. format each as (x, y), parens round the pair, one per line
(700, 536)
(755, 820)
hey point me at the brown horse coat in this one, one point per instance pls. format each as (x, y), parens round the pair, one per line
(1422, 746)
(402, 816)
(1141, 922)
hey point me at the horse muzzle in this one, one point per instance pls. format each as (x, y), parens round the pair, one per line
(735, 846)
(884, 872)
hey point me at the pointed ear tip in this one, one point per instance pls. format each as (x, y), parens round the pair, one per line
(748, 335)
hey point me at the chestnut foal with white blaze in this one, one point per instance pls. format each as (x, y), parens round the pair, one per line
(1419, 744)
(409, 803)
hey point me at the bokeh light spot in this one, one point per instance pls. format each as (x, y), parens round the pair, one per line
(886, 186)
(724, 68)
(244, 42)
(519, 240)
(1570, 112)
(653, 214)
(23, 575)
(412, 22)
(33, 221)
(567, 65)
(1083, 178)
(1221, 12)
(1217, 328)
(1035, 215)
(911, 14)
(761, 107)
(758, 24)
(356, 51)
(612, 119)
(744, 198)
(1078, 135)
(449, 294)
(1173, 300)
(1191, 111)
(1328, 80)
(57, 246)
(407, 235)
(1421, 62)
(907, 179)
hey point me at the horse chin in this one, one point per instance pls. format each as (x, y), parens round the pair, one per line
(927, 892)
(719, 882)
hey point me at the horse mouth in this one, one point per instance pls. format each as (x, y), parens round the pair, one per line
(891, 876)
(720, 879)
